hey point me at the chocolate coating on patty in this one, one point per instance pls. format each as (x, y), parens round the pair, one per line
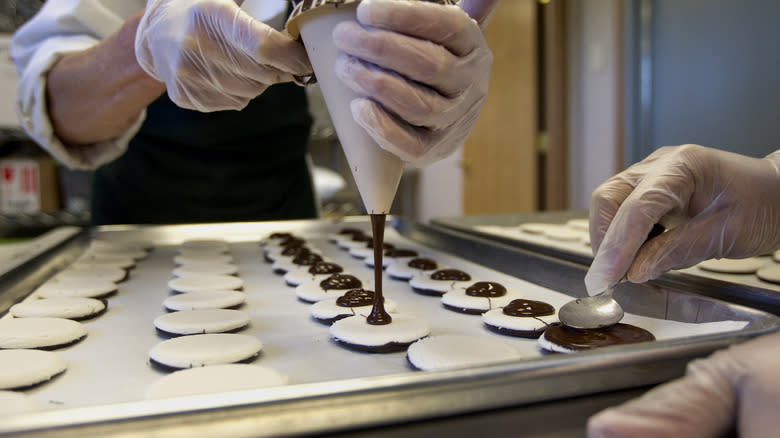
(487, 289)
(280, 235)
(528, 308)
(307, 259)
(295, 251)
(400, 252)
(349, 230)
(356, 298)
(340, 281)
(577, 339)
(291, 241)
(422, 263)
(325, 268)
(450, 275)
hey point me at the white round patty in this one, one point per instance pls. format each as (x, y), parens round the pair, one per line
(198, 283)
(328, 309)
(117, 261)
(733, 266)
(110, 273)
(205, 245)
(458, 351)
(58, 307)
(190, 322)
(206, 257)
(39, 332)
(208, 349)
(355, 330)
(209, 299)
(770, 273)
(213, 379)
(21, 368)
(77, 287)
(205, 268)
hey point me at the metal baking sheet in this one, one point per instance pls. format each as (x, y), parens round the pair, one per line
(332, 388)
(745, 289)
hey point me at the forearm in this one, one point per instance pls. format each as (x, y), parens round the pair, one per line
(96, 94)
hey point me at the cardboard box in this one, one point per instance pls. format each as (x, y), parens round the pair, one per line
(28, 185)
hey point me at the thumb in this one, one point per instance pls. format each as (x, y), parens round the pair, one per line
(700, 405)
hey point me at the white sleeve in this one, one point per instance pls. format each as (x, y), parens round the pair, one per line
(60, 27)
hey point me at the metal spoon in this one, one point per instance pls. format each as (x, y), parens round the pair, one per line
(591, 312)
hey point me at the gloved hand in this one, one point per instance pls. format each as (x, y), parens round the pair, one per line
(738, 387)
(212, 55)
(714, 204)
(426, 69)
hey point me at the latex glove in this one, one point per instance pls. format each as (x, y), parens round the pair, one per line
(714, 204)
(738, 387)
(424, 68)
(212, 55)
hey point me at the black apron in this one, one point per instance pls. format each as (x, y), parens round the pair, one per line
(226, 166)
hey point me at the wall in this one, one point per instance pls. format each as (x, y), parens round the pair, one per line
(593, 96)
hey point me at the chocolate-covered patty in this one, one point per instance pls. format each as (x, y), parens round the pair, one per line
(356, 298)
(521, 317)
(422, 263)
(487, 289)
(307, 259)
(400, 252)
(577, 339)
(450, 275)
(320, 268)
(340, 281)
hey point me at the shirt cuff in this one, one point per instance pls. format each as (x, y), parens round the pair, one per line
(32, 110)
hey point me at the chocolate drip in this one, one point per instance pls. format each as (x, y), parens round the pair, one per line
(400, 252)
(576, 339)
(422, 264)
(528, 308)
(487, 289)
(379, 315)
(340, 281)
(295, 251)
(325, 268)
(307, 259)
(450, 274)
(356, 298)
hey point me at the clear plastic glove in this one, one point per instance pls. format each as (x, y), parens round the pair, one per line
(426, 69)
(734, 388)
(212, 55)
(714, 204)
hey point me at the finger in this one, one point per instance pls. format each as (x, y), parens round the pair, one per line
(390, 133)
(448, 26)
(416, 104)
(419, 60)
(267, 46)
(700, 405)
(605, 202)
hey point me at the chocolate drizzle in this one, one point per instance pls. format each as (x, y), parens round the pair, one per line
(307, 259)
(340, 281)
(528, 308)
(487, 289)
(576, 339)
(320, 268)
(379, 315)
(422, 264)
(400, 252)
(356, 298)
(451, 275)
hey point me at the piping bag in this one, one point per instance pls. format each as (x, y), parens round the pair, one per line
(376, 171)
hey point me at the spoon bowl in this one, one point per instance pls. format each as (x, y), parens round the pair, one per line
(591, 312)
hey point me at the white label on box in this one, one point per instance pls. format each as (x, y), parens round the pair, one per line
(19, 186)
